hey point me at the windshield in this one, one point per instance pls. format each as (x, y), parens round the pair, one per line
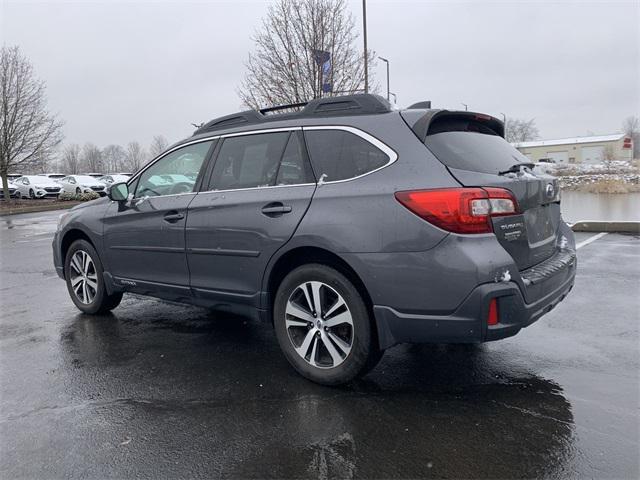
(37, 179)
(477, 152)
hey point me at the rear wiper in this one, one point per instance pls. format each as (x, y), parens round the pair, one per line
(516, 168)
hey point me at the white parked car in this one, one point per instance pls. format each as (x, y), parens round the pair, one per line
(82, 184)
(53, 176)
(12, 189)
(114, 178)
(36, 186)
(178, 183)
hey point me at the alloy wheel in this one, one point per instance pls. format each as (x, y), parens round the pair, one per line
(83, 277)
(319, 324)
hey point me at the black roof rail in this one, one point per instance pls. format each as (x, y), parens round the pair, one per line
(358, 104)
(282, 107)
(233, 120)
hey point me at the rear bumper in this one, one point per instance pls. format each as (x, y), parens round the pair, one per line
(468, 323)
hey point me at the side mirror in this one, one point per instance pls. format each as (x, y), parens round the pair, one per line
(118, 192)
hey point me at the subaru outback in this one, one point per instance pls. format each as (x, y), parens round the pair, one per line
(348, 225)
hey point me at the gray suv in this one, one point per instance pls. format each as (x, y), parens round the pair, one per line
(348, 225)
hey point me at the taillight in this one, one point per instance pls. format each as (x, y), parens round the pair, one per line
(460, 210)
(493, 317)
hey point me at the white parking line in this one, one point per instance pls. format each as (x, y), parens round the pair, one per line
(590, 239)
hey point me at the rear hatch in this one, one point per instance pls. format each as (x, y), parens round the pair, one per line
(471, 146)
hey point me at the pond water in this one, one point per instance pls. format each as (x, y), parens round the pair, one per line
(600, 206)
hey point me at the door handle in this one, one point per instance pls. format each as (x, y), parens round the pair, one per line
(173, 217)
(275, 209)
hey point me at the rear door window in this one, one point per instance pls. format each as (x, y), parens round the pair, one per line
(248, 161)
(340, 155)
(295, 168)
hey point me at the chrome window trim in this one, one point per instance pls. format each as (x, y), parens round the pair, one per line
(208, 139)
(258, 132)
(147, 198)
(258, 188)
(386, 149)
(393, 156)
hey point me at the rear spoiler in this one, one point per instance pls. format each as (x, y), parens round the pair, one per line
(429, 122)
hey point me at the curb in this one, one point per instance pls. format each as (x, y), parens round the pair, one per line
(600, 226)
(39, 208)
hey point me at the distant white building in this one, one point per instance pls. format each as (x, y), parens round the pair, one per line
(579, 149)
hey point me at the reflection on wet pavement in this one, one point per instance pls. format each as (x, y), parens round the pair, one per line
(157, 389)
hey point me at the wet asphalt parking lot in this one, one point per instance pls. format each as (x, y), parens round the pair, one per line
(160, 390)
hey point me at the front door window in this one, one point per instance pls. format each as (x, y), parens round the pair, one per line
(174, 173)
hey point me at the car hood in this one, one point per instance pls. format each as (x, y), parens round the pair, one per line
(46, 184)
(91, 204)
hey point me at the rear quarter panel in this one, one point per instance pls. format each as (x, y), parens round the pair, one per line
(362, 215)
(392, 250)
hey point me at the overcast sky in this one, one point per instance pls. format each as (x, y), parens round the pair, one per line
(122, 71)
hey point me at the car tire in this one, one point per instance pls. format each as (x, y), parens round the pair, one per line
(78, 191)
(32, 195)
(85, 281)
(18, 195)
(320, 349)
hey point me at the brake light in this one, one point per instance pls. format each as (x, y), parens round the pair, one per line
(492, 319)
(460, 210)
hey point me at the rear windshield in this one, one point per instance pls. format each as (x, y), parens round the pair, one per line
(477, 152)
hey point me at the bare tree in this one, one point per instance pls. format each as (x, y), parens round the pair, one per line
(158, 145)
(631, 128)
(27, 130)
(136, 156)
(521, 130)
(114, 157)
(91, 159)
(71, 158)
(283, 68)
(42, 161)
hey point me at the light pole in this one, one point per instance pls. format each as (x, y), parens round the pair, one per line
(366, 53)
(466, 107)
(387, 62)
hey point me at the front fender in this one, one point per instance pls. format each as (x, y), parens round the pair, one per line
(85, 220)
